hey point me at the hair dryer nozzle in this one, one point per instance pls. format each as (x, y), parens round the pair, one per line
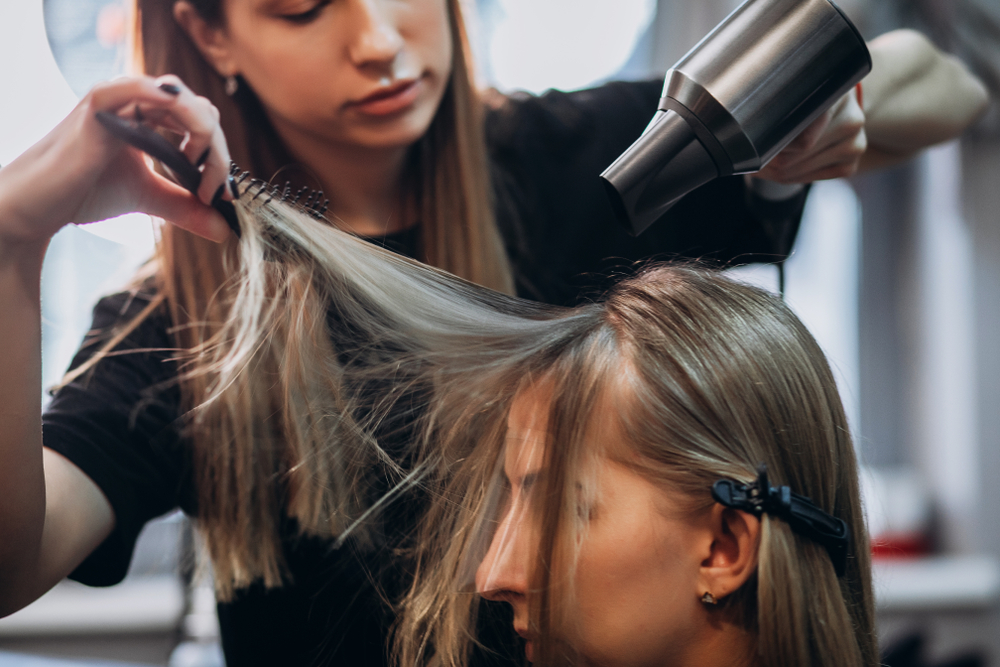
(736, 99)
(664, 164)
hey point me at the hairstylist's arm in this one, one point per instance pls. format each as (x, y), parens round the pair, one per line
(51, 515)
(916, 96)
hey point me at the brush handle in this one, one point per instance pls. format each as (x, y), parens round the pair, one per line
(173, 160)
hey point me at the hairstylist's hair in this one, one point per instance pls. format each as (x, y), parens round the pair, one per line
(706, 378)
(448, 177)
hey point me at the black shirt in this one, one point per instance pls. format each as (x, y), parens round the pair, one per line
(121, 423)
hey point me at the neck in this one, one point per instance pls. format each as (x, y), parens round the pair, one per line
(364, 185)
(723, 644)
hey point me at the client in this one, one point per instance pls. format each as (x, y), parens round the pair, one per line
(605, 510)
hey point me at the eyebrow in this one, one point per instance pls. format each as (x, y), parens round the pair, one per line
(526, 480)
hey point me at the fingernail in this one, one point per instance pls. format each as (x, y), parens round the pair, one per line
(170, 88)
(203, 157)
(227, 210)
(138, 115)
(232, 187)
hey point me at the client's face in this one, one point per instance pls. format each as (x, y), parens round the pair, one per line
(635, 587)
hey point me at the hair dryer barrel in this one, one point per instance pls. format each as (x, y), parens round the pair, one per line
(744, 92)
(663, 165)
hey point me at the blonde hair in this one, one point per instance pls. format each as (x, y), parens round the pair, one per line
(450, 192)
(706, 378)
(331, 348)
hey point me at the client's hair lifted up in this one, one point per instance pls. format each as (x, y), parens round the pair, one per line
(393, 374)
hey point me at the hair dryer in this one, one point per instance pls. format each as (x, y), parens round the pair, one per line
(735, 100)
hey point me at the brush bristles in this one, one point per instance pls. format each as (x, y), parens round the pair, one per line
(314, 204)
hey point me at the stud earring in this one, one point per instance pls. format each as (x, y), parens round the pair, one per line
(232, 85)
(708, 598)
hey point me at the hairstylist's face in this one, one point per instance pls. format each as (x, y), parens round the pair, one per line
(636, 580)
(366, 73)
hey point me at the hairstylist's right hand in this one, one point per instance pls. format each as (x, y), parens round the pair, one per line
(79, 173)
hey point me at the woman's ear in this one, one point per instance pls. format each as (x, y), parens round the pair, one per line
(211, 40)
(732, 555)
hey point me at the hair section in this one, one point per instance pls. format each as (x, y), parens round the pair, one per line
(342, 373)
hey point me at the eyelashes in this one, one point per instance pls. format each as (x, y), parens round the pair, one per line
(307, 16)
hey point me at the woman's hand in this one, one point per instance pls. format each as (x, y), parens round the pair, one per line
(831, 147)
(916, 96)
(80, 173)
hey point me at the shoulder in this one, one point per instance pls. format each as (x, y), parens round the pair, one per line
(561, 119)
(115, 309)
(139, 316)
(130, 334)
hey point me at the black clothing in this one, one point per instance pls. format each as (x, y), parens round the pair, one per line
(547, 154)
(120, 423)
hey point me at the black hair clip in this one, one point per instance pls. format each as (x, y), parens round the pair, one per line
(798, 511)
(146, 139)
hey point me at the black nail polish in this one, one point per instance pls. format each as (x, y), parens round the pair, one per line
(170, 88)
(232, 187)
(227, 210)
(203, 157)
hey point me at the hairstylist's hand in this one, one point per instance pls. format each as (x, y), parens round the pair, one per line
(80, 173)
(831, 147)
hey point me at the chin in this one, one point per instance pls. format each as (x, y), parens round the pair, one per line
(394, 136)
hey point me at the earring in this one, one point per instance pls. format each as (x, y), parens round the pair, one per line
(232, 85)
(708, 598)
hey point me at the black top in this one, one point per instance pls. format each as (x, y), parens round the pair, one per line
(120, 423)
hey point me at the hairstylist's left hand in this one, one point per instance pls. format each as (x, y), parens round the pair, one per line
(831, 147)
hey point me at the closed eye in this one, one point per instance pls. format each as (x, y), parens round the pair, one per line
(307, 16)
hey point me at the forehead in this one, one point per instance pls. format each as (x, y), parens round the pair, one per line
(528, 431)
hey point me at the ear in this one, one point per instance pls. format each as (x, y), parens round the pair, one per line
(732, 556)
(211, 40)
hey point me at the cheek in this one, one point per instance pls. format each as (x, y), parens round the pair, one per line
(633, 587)
(291, 70)
(428, 33)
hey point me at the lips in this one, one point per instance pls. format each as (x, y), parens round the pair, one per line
(530, 638)
(390, 100)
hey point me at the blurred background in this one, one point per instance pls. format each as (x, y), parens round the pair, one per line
(897, 274)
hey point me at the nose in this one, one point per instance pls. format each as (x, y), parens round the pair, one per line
(377, 39)
(502, 576)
